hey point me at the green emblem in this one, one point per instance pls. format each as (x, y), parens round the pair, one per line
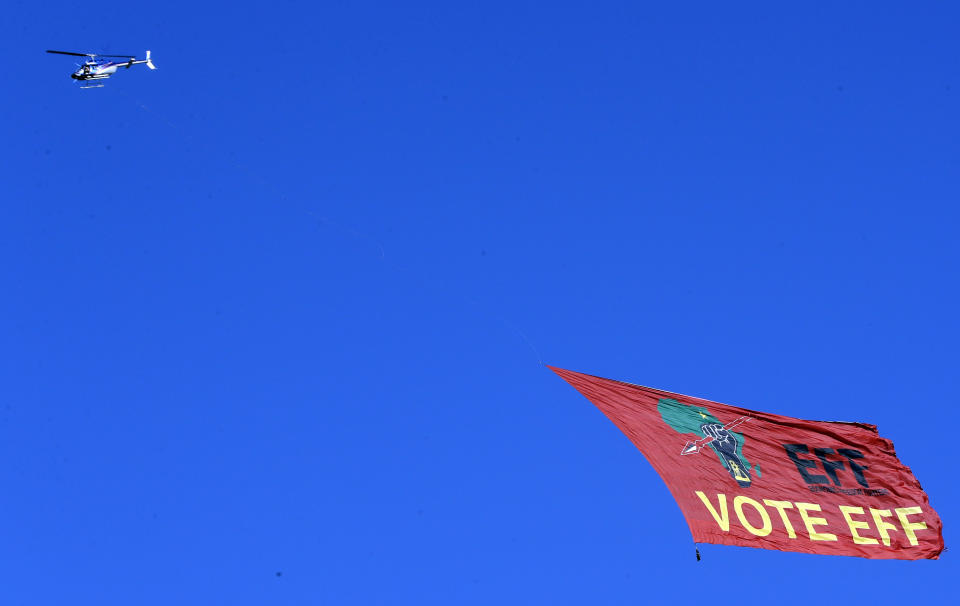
(725, 443)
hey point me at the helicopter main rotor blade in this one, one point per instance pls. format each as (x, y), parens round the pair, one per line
(72, 54)
(90, 54)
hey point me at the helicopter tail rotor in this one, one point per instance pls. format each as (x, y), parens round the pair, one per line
(149, 62)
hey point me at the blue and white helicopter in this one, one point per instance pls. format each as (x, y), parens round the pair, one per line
(94, 69)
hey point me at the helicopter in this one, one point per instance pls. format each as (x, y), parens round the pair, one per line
(94, 69)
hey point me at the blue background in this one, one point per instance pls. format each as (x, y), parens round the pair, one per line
(274, 314)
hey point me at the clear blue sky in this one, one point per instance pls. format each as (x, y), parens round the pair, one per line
(280, 305)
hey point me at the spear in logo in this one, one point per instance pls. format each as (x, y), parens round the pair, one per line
(694, 447)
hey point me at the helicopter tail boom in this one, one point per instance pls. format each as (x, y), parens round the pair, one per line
(148, 61)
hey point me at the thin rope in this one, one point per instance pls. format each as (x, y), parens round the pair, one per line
(356, 234)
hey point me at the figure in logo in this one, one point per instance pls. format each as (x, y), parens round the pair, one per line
(727, 444)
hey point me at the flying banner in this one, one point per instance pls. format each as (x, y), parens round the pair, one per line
(755, 479)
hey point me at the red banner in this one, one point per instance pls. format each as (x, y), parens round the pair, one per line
(755, 479)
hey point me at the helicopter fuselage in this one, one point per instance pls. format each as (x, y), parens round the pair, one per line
(97, 71)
